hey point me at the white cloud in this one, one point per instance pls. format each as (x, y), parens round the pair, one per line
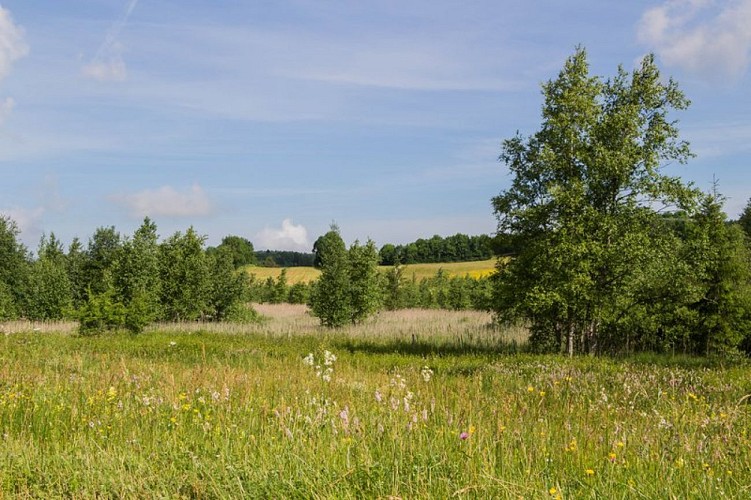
(167, 201)
(289, 237)
(27, 219)
(108, 64)
(12, 47)
(113, 70)
(709, 38)
(12, 43)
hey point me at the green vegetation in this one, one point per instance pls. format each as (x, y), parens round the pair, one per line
(598, 269)
(348, 290)
(456, 248)
(415, 405)
(121, 282)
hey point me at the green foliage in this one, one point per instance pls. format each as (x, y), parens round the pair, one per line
(102, 253)
(299, 293)
(185, 278)
(580, 206)
(8, 308)
(75, 265)
(722, 266)
(101, 312)
(284, 258)
(745, 219)
(137, 281)
(456, 248)
(49, 292)
(239, 249)
(364, 292)
(13, 269)
(228, 288)
(330, 295)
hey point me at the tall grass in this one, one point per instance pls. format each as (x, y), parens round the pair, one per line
(184, 412)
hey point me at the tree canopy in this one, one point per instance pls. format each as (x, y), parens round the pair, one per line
(583, 205)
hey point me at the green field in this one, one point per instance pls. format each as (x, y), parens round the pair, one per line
(420, 404)
(307, 274)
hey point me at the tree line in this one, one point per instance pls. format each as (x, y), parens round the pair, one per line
(118, 281)
(456, 248)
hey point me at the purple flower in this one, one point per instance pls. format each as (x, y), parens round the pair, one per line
(464, 435)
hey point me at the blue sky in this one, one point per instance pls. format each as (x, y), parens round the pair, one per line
(270, 120)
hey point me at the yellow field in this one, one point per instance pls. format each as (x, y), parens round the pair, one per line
(476, 269)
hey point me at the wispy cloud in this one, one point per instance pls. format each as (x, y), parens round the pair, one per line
(708, 38)
(12, 43)
(289, 237)
(108, 64)
(12, 47)
(167, 201)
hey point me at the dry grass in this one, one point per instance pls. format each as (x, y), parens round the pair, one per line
(406, 325)
(8, 327)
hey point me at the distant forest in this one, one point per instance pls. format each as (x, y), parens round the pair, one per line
(456, 248)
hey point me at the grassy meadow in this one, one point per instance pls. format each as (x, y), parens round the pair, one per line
(412, 404)
(475, 269)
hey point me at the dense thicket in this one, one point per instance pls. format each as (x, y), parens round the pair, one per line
(120, 282)
(456, 248)
(597, 268)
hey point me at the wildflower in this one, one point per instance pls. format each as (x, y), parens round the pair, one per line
(589, 472)
(530, 389)
(464, 436)
(378, 396)
(472, 429)
(426, 373)
(172, 343)
(612, 456)
(309, 359)
(692, 396)
(328, 358)
(552, 490)
(620, 444)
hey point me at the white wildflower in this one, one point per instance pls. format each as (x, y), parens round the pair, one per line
(309, 359)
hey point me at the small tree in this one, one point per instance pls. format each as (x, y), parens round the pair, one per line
(49, 292)
(185, 279)
(365, 292)
(136, 277)
(722, 264)
(330, 296)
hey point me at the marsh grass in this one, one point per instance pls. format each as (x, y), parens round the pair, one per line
(185, 411)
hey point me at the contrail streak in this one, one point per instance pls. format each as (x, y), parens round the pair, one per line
(115, 30)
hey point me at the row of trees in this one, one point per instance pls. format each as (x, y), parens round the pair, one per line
(119, 281)
(456, 248)
(395, 290)
(600, 267)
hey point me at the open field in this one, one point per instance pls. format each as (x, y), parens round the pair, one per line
(417, 404)
(475, 269)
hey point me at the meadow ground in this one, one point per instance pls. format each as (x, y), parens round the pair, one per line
(412, 404)
(475, 269)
